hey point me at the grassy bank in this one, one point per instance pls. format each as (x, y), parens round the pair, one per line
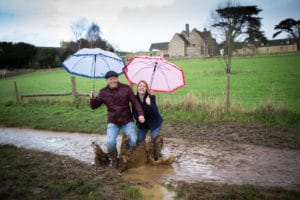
(267, 126)
(28, 174)
(203, 190)
(80, 117)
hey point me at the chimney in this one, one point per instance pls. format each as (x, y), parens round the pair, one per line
(187, 29)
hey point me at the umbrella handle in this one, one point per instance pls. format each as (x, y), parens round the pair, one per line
(94, 84)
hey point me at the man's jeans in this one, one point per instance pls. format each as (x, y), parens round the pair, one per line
(113, 131)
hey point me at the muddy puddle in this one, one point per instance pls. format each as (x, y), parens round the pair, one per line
(236, 164)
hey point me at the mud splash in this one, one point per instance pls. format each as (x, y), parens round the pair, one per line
(235, 164)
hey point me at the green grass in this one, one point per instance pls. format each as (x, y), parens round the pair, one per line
(55, 116)
(254, 81)
(265, 89)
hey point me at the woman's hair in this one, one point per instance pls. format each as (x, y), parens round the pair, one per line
(147, 87)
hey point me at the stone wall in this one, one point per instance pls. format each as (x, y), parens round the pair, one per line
(177, 47)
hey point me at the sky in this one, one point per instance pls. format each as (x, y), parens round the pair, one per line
(129, 25)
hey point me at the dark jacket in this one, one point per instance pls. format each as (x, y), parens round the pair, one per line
(153, 119)
(117, 103)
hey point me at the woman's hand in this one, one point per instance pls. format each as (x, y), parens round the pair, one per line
(141, 119)
(148, 100)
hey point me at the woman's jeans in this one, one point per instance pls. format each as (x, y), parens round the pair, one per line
(113, 131)
(141, 134)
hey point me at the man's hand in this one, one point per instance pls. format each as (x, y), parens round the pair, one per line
(93, 95)
(141, 119)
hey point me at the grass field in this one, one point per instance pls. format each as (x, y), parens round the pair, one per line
(254, 81)
(265, 89)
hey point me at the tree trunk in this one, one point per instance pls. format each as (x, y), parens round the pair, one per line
(228, 93)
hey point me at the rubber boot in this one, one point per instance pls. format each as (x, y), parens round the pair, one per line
(113, 158)
(157, 147)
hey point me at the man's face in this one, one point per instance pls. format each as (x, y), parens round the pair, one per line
(112, 82)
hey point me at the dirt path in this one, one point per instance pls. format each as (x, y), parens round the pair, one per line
(233, 164)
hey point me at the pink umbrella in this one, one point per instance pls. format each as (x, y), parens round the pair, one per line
(161, 75)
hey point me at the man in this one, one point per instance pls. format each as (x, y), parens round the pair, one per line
(116, 96)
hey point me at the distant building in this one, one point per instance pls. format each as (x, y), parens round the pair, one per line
(159, 49)
(187, 44)
(193, 44)
(272, 46)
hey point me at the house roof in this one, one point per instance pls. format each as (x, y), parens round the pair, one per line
(159, 46)
(183, 38)
(205, 34)
(278, 42)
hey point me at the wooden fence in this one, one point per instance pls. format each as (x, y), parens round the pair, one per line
(74, 93)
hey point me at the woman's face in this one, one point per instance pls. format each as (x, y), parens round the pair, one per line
(142, 88)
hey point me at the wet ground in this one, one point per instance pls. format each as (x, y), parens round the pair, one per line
(234, 164)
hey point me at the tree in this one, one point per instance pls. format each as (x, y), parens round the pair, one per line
(18, 55)
(78, 28)
(292, 27)
(47, 57)
(93, 34)
(237, 24)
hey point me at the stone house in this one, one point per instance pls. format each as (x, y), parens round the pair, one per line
(272, 46)
(193, 44)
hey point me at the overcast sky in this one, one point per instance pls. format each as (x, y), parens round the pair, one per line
(130, 25)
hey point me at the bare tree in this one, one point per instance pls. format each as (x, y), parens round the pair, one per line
(236, 24)
(93, 34)
(290, 26)
(78, 28)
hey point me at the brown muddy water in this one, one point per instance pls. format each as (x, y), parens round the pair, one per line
(235, 164)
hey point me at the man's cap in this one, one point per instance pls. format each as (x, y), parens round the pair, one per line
(110, 74)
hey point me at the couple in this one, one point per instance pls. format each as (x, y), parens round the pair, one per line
(116, 96)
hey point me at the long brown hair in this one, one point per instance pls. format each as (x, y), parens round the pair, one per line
(147, 87)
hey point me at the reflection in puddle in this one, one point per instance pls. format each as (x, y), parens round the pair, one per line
(242, 164)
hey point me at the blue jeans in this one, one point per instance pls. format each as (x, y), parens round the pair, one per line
(141, 133)
(113, 131)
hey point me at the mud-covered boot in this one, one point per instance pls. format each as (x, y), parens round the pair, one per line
(113, 159)
(101, 158)
(157, 147)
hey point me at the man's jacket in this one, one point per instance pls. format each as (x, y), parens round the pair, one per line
(117, 103)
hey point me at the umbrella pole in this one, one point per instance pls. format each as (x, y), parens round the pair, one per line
(153, 75)
(94, 72)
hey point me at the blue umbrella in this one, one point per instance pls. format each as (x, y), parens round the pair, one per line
(93, 63)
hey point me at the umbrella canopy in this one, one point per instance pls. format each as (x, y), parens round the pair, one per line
(93, 63)
(160, 75)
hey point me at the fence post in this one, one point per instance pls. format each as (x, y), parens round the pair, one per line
(74, 89)
(16, 92)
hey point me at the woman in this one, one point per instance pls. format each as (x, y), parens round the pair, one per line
(153, 119)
